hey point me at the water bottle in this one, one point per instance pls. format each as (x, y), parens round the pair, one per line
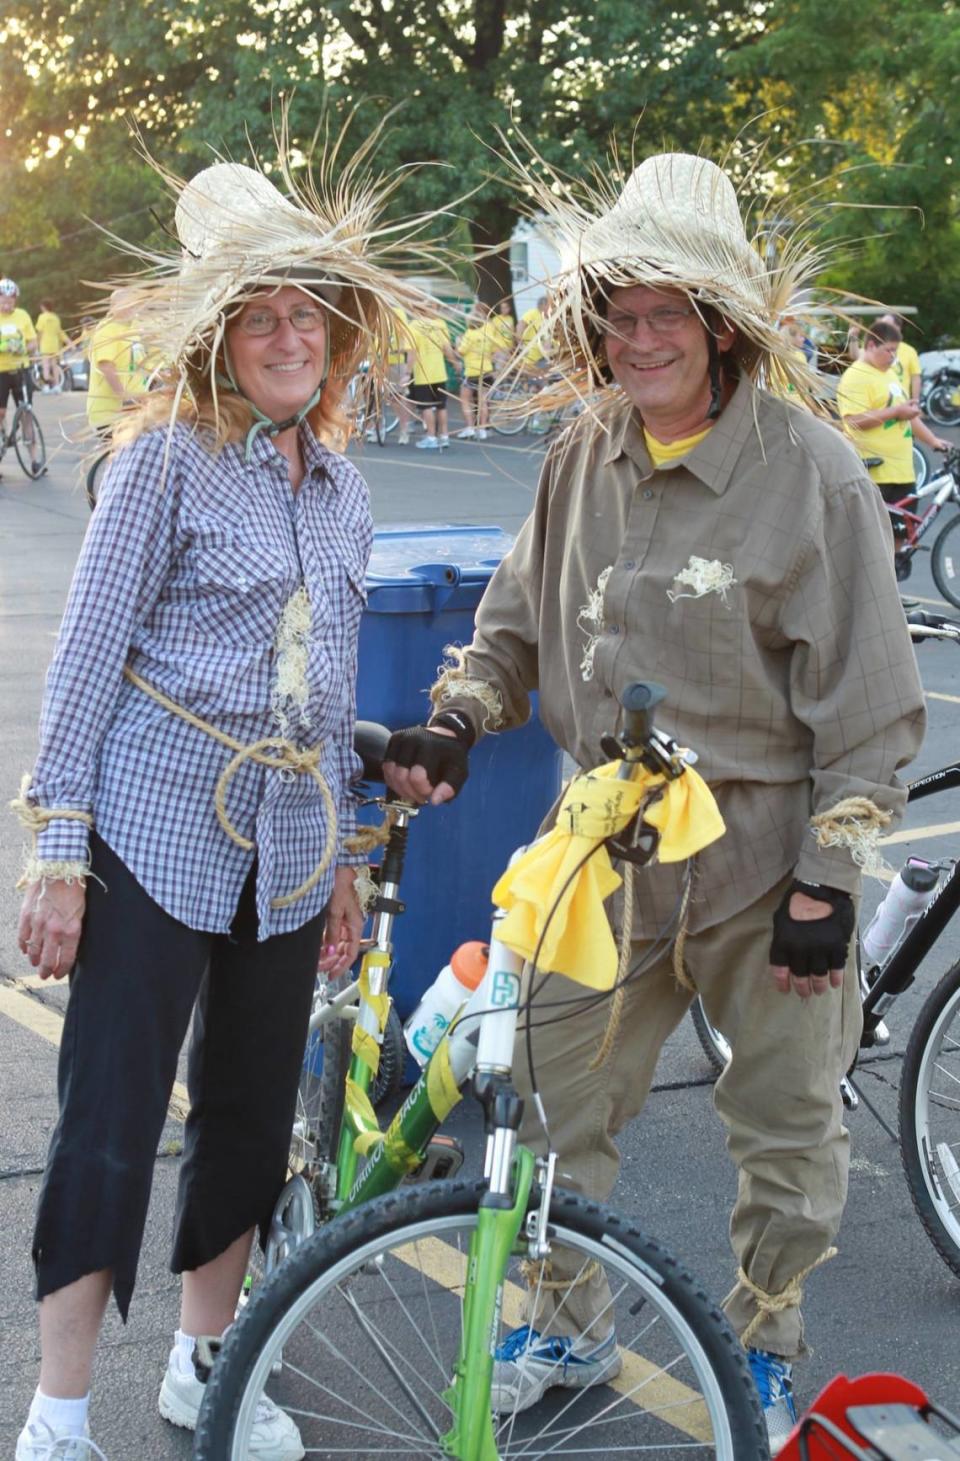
(448, 993)
(909, 893)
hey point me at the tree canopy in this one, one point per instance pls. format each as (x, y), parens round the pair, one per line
(855, 105)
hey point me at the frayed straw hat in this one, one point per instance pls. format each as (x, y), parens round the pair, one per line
(675, 223)
(239, 235)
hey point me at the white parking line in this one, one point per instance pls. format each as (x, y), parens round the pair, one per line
(419, 466)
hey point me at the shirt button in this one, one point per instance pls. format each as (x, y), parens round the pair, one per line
(630, 563)
(614, 628)
(243, 582)
(647, 493)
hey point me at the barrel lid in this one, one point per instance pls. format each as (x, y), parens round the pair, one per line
(417, 554)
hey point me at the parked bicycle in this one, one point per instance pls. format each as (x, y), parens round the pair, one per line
(911, 527)
(929, 1104)
(378, 1332)
(25, 436)
(940, 396)
(373, 415)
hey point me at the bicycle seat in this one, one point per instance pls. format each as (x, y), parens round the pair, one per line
(370, 743)
(872, 461)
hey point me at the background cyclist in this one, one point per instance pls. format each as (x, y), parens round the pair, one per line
(18, 346)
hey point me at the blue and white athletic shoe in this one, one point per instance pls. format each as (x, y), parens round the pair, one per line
(773, 1378)
(528, 1363)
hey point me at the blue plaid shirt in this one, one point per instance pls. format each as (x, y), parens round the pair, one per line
(186, 585)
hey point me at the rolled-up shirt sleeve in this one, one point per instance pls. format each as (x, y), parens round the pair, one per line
(853, 672)
(118, 578)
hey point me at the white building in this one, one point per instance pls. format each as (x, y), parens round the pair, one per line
(534, 260)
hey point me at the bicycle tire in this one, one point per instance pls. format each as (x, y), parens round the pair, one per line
(22, 415)
(713, 1044)
(943, 405)
(328, 1311)
(930, 1161)
(921, 468)
(945, 562)
(503, 415)
(91, 482)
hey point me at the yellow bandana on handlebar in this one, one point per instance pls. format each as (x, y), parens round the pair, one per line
(597, 804)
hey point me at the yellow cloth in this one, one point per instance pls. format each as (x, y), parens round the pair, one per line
(115, 341)
(16, 333)
(427, 339)
(864, 388)
(670, 451)
(531, 322)
(905, 367)
(399, 339)
(501, 330)
(50, 333)
(476, 347)
(578, 941)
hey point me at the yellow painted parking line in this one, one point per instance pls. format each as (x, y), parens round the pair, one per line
(41, 1020)
(941, 695)
(914, 834)
(641, 1381)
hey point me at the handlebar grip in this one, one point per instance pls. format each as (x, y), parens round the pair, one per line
(638, 701)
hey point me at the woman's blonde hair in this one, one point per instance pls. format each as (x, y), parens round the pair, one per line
(227, 417)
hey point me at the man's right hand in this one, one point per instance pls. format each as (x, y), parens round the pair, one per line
(425, 764)
(904, 411)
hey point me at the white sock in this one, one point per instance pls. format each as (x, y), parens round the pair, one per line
(184, 1345)
(64, 1417)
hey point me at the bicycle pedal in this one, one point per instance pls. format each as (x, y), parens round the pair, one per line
(881, 1034)
(444, 1159)
(848, 1095)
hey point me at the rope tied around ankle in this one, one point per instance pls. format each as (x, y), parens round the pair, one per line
(537, 1275)
(274, 752)
(789, 1296)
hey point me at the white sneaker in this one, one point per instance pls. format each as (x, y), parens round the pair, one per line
(40, 1442)
(527, 1364)
(443, 441)
(403, 439)
(466, 433)
(274, 1437)
(482, 433)
(429, 443)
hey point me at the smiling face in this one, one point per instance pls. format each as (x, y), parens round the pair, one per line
(662, 367)
(281, 370)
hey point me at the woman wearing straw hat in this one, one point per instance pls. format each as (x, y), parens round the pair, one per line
(700, 527)
(190, 804)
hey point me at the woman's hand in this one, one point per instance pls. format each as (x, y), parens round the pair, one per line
(51, 920)
(341, 935)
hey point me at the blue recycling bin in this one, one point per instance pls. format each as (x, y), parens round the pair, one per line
(423, 587)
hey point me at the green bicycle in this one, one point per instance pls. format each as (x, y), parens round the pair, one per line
(384, 1331)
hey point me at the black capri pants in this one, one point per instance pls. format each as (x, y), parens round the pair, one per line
(139, 975)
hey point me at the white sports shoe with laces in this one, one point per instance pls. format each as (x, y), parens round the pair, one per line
(274, 1436)
(40, 1442)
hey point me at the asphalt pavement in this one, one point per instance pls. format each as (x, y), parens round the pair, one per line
(886, 1303)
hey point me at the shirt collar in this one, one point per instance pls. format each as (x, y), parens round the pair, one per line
(319, 460)
(712, 461)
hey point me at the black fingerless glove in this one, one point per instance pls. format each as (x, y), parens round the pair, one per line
(816, 945)
(442, 757)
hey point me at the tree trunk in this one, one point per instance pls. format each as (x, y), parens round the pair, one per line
(493, 230)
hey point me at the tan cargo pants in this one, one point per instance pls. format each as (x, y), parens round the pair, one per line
(779, 1100)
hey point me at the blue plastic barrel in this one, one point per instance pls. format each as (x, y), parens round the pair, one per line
(423, 588)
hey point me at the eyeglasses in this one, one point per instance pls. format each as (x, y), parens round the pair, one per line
(304, 318)
(662, 321)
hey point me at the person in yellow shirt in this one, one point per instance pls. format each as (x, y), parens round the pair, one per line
(906, 365)
(429, 347)
(476, 347)
(503, 333)
(398, 375)
(52, 338)
(880, 418)
(18, 345)
(117, 358)
(531, 323)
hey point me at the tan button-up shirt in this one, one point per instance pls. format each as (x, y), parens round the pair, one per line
(784, 651)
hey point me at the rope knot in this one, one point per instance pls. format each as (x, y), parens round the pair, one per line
(789, 1296)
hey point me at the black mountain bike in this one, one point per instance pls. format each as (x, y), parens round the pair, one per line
(25, 436)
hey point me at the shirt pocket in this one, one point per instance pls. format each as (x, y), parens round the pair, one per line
(342, 598)
(241, 588)
(701, 639)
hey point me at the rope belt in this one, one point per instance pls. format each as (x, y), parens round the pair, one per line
(274, 752)
(788, 1298)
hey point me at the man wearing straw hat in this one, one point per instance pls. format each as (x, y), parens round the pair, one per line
(191, 804)
(701, 527)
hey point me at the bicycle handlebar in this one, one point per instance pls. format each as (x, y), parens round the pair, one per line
(638, 701)
(924, 625)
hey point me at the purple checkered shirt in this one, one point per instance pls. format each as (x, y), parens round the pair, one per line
(186, 585)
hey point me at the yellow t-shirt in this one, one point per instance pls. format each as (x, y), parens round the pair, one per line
(863, 388)
(669, 451)
(399, 337)
(16, 333)
(115, 341)
(501, 330)
(531, 322)
(906, 366)
(476, 347)
(427, 339)
(50, 333)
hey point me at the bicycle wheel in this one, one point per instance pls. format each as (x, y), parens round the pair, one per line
(945, 562)
(94, 477)
(505, 412)
(921, 468)
(943, 402)
(715, 1046)
(28, 442)
(368, 1312)
(930, 1117)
